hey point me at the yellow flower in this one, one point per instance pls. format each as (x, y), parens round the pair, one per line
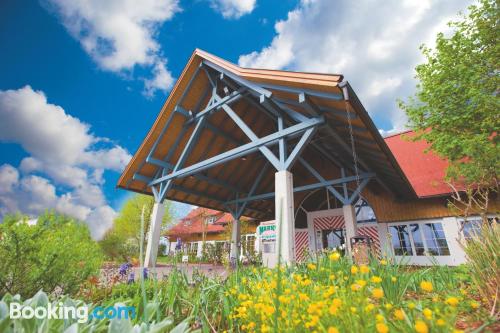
(369, 307)
(474, 304)
(264, 328)
(332, 329)
(379, 318)
(427, 313)
(311, 266)
(364, 269)
(303, 297)
(411, 306)
(383, 262)
(355, 287)
(353, 309)
(399, 314)
(388, 306)
(333, 310)
(332, 277)
(421, 327)
(382, 328)
(362, 283)
(376, 279)
(337, 302)
(354, 270)
(329, 292)
(453, 301)
(458, 331)
(394, 279)
(440, 322)
(334, 256)
(378, 293)
(426, 286)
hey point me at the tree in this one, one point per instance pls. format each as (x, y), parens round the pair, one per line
(55, 253)
(456, 106)
(123, 240)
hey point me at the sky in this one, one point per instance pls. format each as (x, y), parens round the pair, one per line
(82, 81)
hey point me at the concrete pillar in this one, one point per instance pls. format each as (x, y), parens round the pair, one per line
(451, 228)
(154, 234)
(285, 219)
(385, 241)
(235, 241)
(350, 224)
(199, 253)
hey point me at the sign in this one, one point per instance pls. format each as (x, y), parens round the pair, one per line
(185, 258)
(267, 231)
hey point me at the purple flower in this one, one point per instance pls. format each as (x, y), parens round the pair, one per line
(131, 278)
(145, 273)
(124, 269)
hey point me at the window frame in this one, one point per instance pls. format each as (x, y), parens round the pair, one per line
(421, 224)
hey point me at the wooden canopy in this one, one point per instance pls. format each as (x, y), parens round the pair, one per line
(217, 107)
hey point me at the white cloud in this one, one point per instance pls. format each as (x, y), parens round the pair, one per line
(375, 45)
(233, 9)
(121, 34)
(63, 155)
(162, 78)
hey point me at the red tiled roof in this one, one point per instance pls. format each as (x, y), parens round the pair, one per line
(193, 222)
(424, 170)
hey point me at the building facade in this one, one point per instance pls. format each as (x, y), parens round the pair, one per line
(299, 149)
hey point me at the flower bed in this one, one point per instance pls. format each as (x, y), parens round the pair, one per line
(328, 294)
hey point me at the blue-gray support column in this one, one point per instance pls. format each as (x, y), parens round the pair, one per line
(187, 149)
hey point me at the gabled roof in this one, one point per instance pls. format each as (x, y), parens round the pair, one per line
(331, 143)
(424, 169)
(194, 223)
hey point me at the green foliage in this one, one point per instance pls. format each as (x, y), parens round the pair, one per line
(123, 240)
(456, 107)
(55, 253)
(484, 261)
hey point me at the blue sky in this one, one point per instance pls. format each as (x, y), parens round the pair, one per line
(82, 81)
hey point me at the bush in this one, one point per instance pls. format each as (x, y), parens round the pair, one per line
(56, 253)
(484, 262)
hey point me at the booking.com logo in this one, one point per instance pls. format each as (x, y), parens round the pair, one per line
(61, 311)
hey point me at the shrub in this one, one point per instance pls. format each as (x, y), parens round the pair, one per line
(484, 262)
(56, 253)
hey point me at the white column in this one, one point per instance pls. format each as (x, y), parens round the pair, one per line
(199, 253)
(350, 224)
(235, 241)
(383, 236)
(451, 228)
(285, 224)
(154, 234)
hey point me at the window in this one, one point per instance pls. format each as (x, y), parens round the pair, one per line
(193, 248)
(417, 239)
(210, 220)
(435, 239)
(248, 245)
(472, 227)
(400, 240)
(333, 239)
